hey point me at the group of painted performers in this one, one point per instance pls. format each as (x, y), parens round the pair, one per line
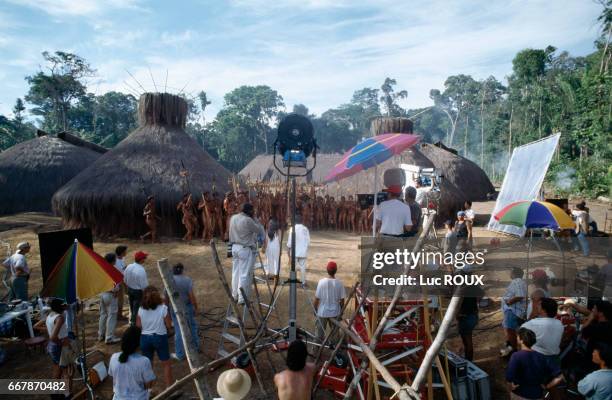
(209, 216)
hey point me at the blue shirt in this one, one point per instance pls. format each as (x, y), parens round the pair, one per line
(597, 385)
(530, 370)
(130, 377)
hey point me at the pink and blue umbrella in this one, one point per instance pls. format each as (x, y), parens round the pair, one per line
(371, 152)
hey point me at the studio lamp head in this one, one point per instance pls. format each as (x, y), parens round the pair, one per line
(295, 140)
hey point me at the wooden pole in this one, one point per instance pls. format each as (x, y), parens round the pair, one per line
(193, 358)
(403, 392)
(434, 349)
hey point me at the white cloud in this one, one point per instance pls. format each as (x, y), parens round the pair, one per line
(176, 38)
(78, 7)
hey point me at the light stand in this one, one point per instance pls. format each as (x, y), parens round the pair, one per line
(295, 142)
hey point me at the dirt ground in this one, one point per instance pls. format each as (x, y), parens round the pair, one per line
(196, 257)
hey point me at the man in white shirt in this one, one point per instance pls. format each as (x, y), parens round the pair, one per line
(120, 253)
(393, 216)
(20, 273)
(135, 278)
(244, 231)
(548, 329)
(329, 299)
(302, 240)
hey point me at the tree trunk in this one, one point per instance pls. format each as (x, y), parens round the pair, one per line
(510, 129)
(540, 118)
(465, 137)
(482, 130)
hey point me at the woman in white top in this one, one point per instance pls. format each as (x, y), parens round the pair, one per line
(273, 249)
(155, 321)
(58, 338)
(132, 373)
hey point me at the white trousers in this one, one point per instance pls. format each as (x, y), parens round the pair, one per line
(109, 305)
(301, 263)
(243, 260)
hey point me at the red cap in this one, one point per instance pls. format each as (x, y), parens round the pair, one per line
(539, 274)
(394, 189)
(332, 267)
(140, 255)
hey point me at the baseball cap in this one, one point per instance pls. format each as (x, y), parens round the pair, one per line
(539, 274)
(394, 189)
(332, 266)
(461, 214)
(140, 255)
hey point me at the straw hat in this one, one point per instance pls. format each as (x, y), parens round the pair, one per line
(233, 384)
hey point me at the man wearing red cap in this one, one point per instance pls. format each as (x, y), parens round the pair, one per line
(135, 278)
(329, 299)
(393, 217)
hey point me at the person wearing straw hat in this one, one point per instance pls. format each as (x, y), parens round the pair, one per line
(20, 273)
(233, 384)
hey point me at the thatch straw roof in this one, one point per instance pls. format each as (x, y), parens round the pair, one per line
(461, 172)
(109, 196)
(32, 171)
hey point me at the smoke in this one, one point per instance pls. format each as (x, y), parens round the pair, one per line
(565, 178)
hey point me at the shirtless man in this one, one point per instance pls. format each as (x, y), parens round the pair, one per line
(342, 214)
(230, 206)
(207, 218)
(319, 213)
(217, 214)
(332, 213)
(295, 383)
(190, 220)
(307, 211)
(350, 214)
(151, 218)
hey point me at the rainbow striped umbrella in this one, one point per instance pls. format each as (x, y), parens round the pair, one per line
(535, 214)
(80, 274)
(371, 152)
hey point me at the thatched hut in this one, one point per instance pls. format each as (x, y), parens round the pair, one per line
(461, 172)
(109, 196)
(32, 171)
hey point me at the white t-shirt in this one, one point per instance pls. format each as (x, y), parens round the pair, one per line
(329, 292)
(549, 332)
(394, 215)
(130, 377)
(470, 214)
(152, 321)
(421, 195)
(135, 277)
(120, 264)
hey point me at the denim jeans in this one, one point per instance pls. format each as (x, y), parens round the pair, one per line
(135, 298)
(179, 349)
(584, 244)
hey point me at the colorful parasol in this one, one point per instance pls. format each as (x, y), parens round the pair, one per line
(535, 214)
(80, 274)
(371, 152)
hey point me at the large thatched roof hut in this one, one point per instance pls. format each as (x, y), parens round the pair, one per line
(32, 171)
(461, 172)
(109, 196)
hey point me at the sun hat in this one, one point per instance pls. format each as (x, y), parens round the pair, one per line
(233, 384)
(23, 245)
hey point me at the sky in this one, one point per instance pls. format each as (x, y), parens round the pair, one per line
(314, 52)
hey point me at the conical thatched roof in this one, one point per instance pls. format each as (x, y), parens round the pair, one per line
(32, 171)
(109, 196)
(461, 172)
